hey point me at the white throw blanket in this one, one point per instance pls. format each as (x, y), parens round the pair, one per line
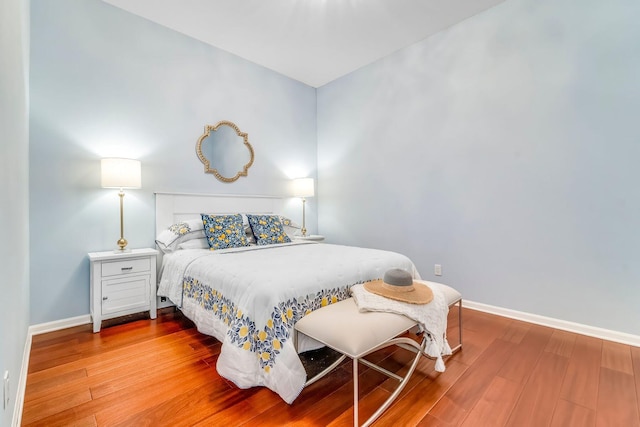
(431, 317)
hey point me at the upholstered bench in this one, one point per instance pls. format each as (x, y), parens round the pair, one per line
(356, 334)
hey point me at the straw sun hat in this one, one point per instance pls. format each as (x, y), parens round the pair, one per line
(398, 284)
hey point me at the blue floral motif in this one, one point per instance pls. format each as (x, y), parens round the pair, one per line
(267, 229)
(224, 231)
(266, 343)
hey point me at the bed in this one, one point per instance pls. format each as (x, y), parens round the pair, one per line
(250, 297)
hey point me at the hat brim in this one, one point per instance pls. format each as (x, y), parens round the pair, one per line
(421, 293)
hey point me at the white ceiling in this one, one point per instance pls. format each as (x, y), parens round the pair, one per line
(313, 41)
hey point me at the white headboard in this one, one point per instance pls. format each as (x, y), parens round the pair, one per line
(175, 207)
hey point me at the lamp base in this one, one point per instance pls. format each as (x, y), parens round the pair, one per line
(121, 251)
(122, 246)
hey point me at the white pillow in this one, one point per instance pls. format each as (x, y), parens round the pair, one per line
(176, 234)
(195, 244)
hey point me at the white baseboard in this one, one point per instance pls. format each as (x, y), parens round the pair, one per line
(56, 325)
(578, 328)
(22, 383)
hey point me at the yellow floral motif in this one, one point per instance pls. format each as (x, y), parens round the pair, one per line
(265, 355)
(334, 299)
(262, 335)
(276, 344)
(270, 323)
(239, 314)
(246, 345)
(244, 331)
(289, 313)
(324, 302)
(267, 369)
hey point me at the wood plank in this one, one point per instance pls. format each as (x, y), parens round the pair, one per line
(431, 421)
(569, 414)
(252, 402)
(580, 384)
(144, 394)
(515, 332)
(617, 401)
(472, 384)
(421, 399)
(39, 410)
(635, 355)
(525, 355)
(561, 343)
(538, 399)
(617, 357)
(53, 384)
(495, 405)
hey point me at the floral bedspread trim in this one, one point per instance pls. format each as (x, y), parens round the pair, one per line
(267, 340)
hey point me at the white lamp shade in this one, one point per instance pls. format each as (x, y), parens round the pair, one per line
(303, 187)
(121, 173)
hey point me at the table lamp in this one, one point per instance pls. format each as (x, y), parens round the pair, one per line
(303, 188)
(121, 173)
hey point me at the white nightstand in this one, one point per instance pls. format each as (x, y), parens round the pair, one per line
(122, 283)
(310, 237)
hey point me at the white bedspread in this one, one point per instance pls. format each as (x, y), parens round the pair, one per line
(250, 298)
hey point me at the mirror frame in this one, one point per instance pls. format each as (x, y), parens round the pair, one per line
(205, 161)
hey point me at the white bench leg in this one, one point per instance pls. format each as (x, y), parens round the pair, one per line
(355, 393)
(459, 346)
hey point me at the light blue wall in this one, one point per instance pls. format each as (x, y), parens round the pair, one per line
(506, 149)
(14, 200)
(107, 83)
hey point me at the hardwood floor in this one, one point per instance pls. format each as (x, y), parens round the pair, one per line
(162, 373)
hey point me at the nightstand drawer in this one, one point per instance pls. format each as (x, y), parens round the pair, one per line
(126, 267)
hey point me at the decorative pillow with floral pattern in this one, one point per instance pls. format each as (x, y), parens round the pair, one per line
(178, 233)
(267, 229)
(224, 231)
(290, 227)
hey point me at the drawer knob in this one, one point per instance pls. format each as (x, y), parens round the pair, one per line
(126, 268)
(105, 298)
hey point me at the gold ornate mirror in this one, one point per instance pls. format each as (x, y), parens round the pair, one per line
(225, 151)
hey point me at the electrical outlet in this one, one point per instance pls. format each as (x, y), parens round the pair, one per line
(5, 390)
(437, 270)
(163, 299)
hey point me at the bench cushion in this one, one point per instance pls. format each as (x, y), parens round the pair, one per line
(451, 296)
(342, 327)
